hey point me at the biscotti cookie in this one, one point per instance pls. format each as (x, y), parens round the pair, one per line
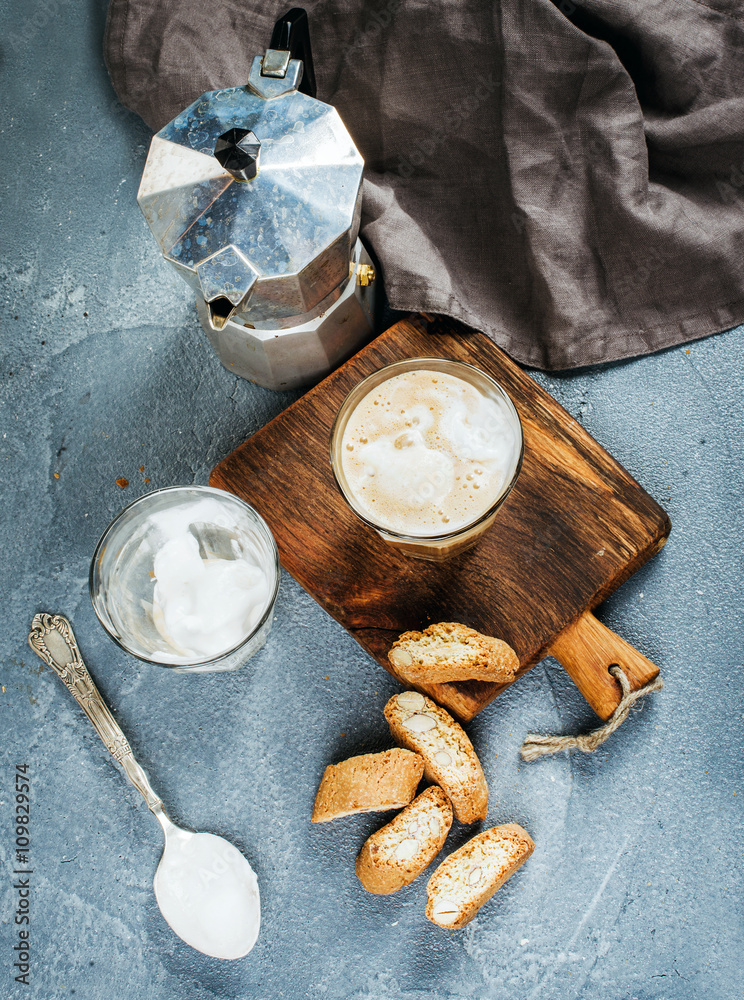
(372, 782)
(450, 761)
(448, 651)
(399, 852)
(472, 874)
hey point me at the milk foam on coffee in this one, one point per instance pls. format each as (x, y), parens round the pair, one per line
(426, 453)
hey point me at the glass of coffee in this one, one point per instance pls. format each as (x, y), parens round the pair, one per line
(425, 451)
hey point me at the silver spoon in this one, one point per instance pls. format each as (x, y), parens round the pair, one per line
(205, 888)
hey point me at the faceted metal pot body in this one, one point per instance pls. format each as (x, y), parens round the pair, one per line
(301, 355)
(273, 252)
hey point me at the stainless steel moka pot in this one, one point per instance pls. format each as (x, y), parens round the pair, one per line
(254, 196)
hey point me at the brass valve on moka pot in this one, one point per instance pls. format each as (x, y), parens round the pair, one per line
(254, 196)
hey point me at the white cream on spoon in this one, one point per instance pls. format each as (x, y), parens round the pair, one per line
(205, 888)
(207, 892)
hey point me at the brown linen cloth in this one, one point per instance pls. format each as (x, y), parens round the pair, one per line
(568, 179)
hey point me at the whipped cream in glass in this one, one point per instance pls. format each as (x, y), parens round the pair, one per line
(187, 577)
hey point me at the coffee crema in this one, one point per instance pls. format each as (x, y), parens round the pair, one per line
(426, 453)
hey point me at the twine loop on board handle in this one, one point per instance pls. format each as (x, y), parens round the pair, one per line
(536, 746)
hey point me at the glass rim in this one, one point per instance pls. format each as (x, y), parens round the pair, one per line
(346, 409)
(108, 625)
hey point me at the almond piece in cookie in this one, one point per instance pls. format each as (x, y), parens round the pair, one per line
(399, 852)
(471, 875)
(420, 724)
(449, 651)
(372, 782)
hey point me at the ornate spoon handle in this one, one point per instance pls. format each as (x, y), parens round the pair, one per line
(52, 638)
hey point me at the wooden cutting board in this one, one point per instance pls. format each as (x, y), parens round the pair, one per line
(575, 527)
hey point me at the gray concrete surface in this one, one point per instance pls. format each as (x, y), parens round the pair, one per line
(635, 887)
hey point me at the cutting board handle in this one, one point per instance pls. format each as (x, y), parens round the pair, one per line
(587, 649)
